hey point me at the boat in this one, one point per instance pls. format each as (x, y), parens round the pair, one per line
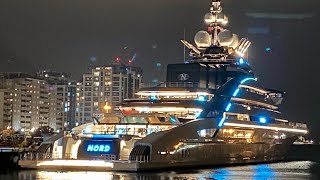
(210, 111)
(235, 121)
(111, 137)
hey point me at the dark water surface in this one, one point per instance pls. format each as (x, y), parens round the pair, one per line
(283, 170)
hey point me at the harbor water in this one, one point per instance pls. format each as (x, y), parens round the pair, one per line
(283, 170)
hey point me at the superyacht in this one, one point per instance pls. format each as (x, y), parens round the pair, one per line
(228, 118)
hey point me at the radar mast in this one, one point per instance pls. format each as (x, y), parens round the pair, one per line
(216, 43)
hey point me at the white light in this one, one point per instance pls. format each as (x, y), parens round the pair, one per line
(266, 127)
(22, 130)
(262, 120)
(77, 163)
(87, 130)
(203, 133)
(201, 98)
(33, 129)
(170, 93)
(241, 61)
(164, 109)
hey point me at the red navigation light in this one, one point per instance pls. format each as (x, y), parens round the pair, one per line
(117, 59)
(210, 29)
(129, 61)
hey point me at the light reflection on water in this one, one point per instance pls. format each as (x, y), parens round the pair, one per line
(288, 170)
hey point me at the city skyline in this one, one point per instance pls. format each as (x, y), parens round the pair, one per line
(70, 34)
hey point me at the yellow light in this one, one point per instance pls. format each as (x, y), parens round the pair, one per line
(267, 127)
(79, 175)
(76, 163)
(106, 107)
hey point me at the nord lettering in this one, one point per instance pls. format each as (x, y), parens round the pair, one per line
(98, 148)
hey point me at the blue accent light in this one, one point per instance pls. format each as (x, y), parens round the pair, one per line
(153, 97)
(247, 79)
(236, 92)
(221, 121)
(202, 98)
(262, 120)
(268, 49)
(228, 107)
(264, 172)
(98, 148)
(197, 114)
(241, 61)
(173, 119)
(120, 131)
(104, 136)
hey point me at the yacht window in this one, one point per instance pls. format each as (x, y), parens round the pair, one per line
(111, 119)
(236, 133)
(154, 120)
(208, 133)
(130, 119)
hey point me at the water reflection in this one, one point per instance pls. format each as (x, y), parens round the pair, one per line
(289, 170)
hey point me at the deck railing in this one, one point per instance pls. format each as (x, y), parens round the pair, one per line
(68, 156)
(33, 156)
(172, 84)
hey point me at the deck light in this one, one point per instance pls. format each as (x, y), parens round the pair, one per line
(262, 120)
(228, 107)
(201, 98)
(241, 61)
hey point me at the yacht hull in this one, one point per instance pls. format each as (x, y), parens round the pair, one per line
(215, 154)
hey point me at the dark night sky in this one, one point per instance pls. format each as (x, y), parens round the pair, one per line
(64, 34)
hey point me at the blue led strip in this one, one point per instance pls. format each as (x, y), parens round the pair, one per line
(234, 95)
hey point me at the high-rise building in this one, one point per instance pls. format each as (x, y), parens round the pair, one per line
(24, 101)
(62, 99)
(5, 108)
(106, 85)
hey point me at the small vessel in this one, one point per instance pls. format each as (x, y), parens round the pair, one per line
(237, 121)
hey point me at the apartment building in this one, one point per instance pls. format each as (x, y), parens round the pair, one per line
(105, 85)
(24, 101)
(62, 99)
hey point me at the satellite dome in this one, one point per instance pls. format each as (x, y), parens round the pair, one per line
(202, 39)
(235, 41)
(225, 38)
(209, 18)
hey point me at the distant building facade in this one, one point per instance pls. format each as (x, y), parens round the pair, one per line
(105, 85)
(24, 102)
(63, 99)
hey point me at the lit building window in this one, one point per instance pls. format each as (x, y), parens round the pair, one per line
(96, 73)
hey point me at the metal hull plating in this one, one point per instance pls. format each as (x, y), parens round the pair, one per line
(216, 154)
(185, 145)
